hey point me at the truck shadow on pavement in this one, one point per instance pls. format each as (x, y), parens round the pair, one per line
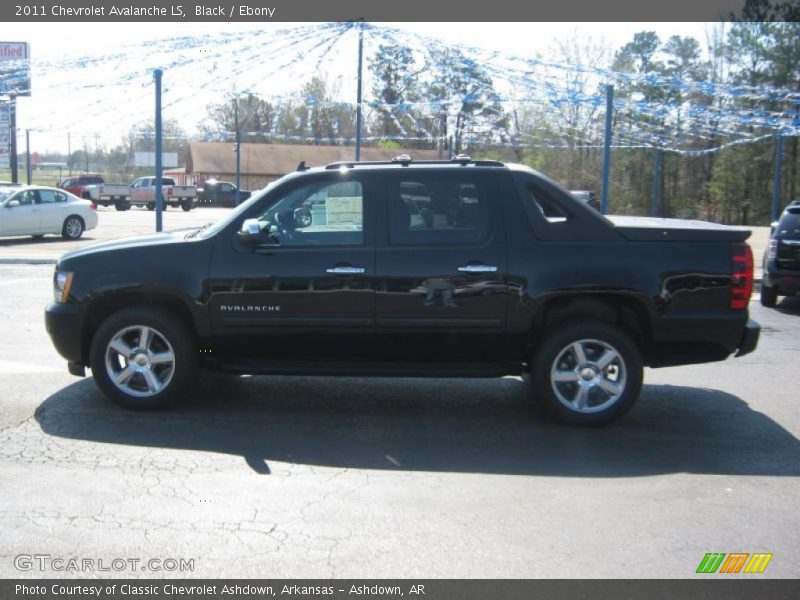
(485, 426)
(789, 305)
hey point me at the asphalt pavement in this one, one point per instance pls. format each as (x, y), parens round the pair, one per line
(355, 477)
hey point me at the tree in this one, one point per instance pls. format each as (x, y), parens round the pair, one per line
(395, 84)
(463, 95)
(248, 114)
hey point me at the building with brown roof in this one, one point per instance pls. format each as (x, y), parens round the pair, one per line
(262, 163)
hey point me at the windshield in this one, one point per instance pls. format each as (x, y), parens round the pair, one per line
(5, 195)
(236, 212)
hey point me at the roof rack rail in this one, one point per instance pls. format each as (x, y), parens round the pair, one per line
(405, 160)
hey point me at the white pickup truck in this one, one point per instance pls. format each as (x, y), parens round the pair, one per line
(143, 193)
(106, 194)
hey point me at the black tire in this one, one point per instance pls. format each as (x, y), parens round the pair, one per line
(121, 205)
(151, 206)
(167, 334)
(73, 228)
(561, 396)
(769, 296)
(186, 205)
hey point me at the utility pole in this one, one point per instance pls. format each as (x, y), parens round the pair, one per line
(28, 156)
(12, 131)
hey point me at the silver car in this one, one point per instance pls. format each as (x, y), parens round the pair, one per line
(38, 210)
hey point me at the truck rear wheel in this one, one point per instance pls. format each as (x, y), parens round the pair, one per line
(587, 373)
(769, 296)
(121, 205)
(186, 205)
(143, 357)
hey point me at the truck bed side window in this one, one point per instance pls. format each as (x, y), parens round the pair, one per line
(451, 210)
(549, 209)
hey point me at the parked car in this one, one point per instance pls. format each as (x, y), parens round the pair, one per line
(590, 198)
(39, 210)
(220, 193)
(108, 194)
(78, 184)
(781, 272)
(327, 272)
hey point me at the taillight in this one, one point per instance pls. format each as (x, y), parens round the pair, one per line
(94, 206)
(772, 252)
(169, 192)
(741, 275)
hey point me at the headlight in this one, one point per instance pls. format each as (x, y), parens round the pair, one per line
(62, 281)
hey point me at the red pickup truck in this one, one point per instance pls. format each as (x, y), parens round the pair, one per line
(77, 184)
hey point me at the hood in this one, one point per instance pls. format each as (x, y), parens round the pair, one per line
(139, 241)
(677, 230)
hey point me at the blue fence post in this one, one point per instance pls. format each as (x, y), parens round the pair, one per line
(776, 185)
(159, 195)
(607, 149)
(358, 91)
(238, 164)
(656, 184)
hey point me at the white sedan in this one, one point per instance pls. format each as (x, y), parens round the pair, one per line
(38, 210)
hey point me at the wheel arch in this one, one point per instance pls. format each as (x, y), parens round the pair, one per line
(623, 310)
(104, 306)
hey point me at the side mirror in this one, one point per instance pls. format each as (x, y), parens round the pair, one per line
(302, 217)
(12, 203)
(250, 232)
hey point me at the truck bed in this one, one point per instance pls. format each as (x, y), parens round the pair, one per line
(649, 229)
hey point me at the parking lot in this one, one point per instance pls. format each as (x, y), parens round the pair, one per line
(323, 477)
(112, 225)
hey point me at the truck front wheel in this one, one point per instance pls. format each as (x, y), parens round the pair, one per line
(143, 357)
(587, 373)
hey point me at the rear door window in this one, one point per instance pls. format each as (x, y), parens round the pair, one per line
(427, 209)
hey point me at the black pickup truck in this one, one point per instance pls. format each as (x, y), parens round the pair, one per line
(458, 268)
(220, 193)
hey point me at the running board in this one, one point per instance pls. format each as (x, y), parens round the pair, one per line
(367, 369)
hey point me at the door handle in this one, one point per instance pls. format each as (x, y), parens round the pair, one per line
(345, 270)
(478, 269)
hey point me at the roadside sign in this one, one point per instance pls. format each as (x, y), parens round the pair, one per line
(148, 159)
(15, 69)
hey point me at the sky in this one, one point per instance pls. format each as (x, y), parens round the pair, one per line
(58, 105)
